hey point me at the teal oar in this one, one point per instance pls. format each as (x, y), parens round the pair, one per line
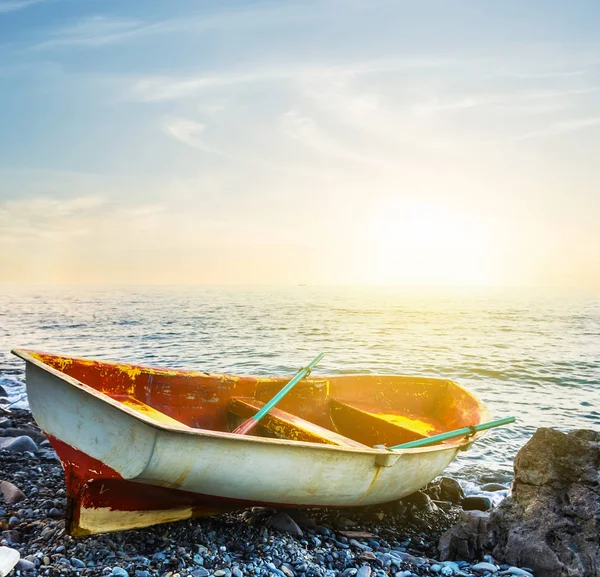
(248, 425)
(453, 434)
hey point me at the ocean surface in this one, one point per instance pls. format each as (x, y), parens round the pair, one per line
(529, 353)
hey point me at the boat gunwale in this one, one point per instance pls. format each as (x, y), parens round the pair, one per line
(27, 355)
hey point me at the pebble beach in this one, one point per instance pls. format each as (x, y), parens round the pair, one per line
(396, 540)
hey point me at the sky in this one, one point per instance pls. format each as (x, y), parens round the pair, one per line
(335, 142)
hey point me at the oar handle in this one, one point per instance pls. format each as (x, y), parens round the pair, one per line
(248, 425)
(453, 434)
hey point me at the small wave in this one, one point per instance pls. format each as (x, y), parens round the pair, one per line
(15, 389)
(471, 489)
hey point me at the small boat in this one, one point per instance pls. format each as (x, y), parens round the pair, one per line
(142, 445)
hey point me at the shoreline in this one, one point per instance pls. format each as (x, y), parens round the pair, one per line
(398, 539)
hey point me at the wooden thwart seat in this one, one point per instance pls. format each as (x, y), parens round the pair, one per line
(373, 426)
(289, 426)
(147, 410)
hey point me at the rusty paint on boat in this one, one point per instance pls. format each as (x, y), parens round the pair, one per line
(142, 445)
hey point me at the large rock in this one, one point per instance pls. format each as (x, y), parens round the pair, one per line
(551, 523)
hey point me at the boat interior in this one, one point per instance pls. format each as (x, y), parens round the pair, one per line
(357, 411)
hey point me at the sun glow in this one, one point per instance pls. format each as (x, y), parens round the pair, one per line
(422, 244)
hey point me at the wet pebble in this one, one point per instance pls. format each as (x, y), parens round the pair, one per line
(484, 567)
(517, 571)
(284, 523)
(496, 477)
(477, 503)
(18, 444)
(77, 563)
(492, 487)
(25, 565)
(55, 513)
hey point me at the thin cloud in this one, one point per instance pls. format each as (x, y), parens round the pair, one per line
(100, 31)
(307, 132)
(191, 133)
(563, 127)
(57, 219)
(165, 88)
(517, 99)
(14, 5)
(47, 217)
(186, 131)
(545, 75)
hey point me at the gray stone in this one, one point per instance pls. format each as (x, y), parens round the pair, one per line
(359, 545)
(301, 518)
(25, 431)
(11, 493)
(418, 499)
(462, 541)
(450, 490)
(284, 523)
(493, 487)
(18, 444)
(199, 572)
(484, 568)
(12, 536)
(516, 571)
(364, 571)
(477, 503)
(55, 513)
(25, 565)
(119, 572)
(5, 423)
(271, 568)
(77, 563)
(497, 477)
(344, 523)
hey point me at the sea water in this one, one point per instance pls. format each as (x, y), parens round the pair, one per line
(534, 354)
